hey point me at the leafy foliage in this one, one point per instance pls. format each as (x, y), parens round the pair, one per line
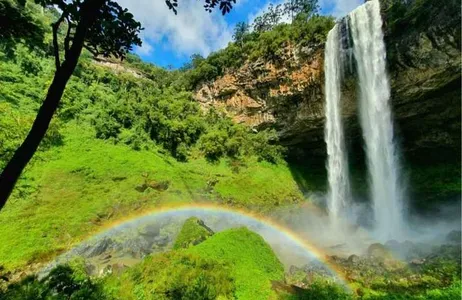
(224, 5)
(174, 275)
(61, 283)
(19, 23)
(266, 41)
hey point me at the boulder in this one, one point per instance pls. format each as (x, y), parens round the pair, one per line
(378, 250)
(193, 232)
(417, 261)
(159, 185)
(353, 259)
(454, 237)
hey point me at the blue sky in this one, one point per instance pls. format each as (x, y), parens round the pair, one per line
(170, 40)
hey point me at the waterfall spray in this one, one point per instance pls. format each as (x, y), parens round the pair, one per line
(337, 165)
(376, 120)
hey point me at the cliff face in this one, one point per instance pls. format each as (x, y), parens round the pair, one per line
(423, 48)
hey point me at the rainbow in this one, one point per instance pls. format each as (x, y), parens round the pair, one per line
(206, 208)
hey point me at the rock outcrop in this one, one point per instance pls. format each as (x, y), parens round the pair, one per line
(423, 48)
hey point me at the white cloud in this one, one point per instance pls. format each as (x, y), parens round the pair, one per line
(192, 30)
(145, 49)
(339, 8)
(240, 3)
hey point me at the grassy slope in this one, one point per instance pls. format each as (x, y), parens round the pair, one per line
(254, 263)
(247, 260)
(87, 183)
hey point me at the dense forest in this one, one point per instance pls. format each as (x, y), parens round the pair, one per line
(130, 137)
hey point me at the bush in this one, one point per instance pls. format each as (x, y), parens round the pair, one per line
(61, 283)
(174, 275)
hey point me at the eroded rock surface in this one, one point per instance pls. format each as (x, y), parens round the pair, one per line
(424, 68)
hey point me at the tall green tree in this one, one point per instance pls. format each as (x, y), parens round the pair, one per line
(307, 8)
(269, 19)
(103, 28)
(240, 32)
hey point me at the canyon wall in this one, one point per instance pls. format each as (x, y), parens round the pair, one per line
(423, 53)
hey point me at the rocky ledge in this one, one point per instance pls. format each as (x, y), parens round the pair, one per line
(423, 48)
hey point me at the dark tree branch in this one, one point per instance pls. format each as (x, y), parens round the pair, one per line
(67, 39)
(91, 50)
(55, 27)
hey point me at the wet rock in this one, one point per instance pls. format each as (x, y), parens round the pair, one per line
(99, 248)
(107, 270)
(417, 262)
(378, 250)
(393, 244)
(118, 268)
(353, 259)
(294, 270)
(90, 269)
(159, 186)
(141, 188)
(162, 240)
(150, 231)
(407, 247)
(137, 248)
(454, 237)
(106, 257)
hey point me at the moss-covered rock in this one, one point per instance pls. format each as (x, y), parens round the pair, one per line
(232, 264)
(254, 264)
(193, 232)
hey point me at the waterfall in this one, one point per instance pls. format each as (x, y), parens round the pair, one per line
(337, 165)
(376, 120)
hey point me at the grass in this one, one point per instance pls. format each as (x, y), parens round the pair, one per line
(254, 263)
(76, 188)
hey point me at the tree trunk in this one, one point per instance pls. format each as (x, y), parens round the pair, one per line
(24, 153)
(27, 149)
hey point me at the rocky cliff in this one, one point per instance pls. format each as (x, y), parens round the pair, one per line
(423, 48)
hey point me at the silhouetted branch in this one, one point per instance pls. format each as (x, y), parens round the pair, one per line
(67, 39)
(55, 27)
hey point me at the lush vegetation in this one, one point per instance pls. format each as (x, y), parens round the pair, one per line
(238, 264)
(266, 42)
(122, 129)
(193, 232)
(128, 137)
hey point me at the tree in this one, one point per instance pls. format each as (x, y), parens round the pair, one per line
(294, 8)
(17, 23)
(103, 28)
(269, 19)
(240, 32)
